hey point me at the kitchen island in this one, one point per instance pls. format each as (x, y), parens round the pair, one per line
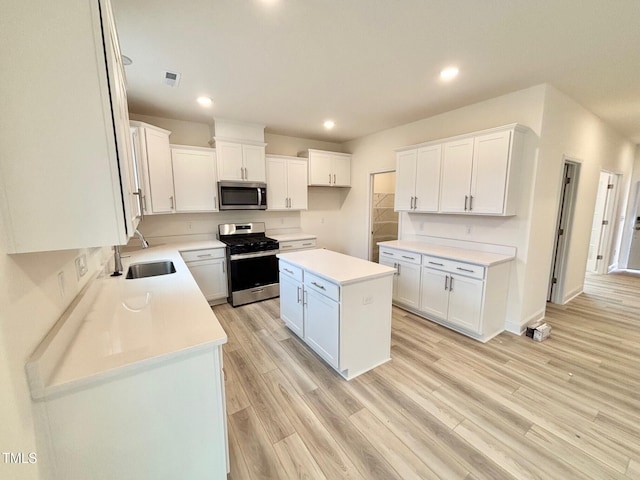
(340, 306)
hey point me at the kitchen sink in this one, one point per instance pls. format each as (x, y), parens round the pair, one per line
(151, 269)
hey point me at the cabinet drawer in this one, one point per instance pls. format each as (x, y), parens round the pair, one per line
(297, 244)
(438, 263)
(467, 269)
(322, 286)
(208, 254)
(290, 270)
(453, 266)
(400, 255)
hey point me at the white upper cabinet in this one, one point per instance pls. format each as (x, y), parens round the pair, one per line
(473, 174)
(71, 187)
(153, 154)
(457, 164)
(240, 151)
(286, 183)
(331, 169)
(418, 179)
(194, 179)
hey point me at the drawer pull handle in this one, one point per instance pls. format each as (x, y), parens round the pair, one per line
(408, 258)
(321, 287)
(204, 255)
(436, 263)
(465, 269)
(288, 271)
(388, 253)
(306, 244)
(285, 246)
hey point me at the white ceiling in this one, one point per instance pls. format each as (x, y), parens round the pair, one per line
(374, 64)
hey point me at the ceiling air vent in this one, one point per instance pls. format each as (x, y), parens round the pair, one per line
(171, 78)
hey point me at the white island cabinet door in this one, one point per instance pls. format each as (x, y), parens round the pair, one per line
(321, 328)
(465, 302)
(291, 308)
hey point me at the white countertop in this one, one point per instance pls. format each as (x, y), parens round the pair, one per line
(476, 257)
(292, 237)
(137, 322)
(335, 267)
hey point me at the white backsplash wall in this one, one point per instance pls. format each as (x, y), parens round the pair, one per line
(179, 227)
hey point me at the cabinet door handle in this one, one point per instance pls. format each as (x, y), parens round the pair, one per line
(140, 197)
(435, 263)
(321, 287)
(204, 255)
(329, 179)
(465, 269)
(144, 202)
(470, 202)
(395, 265)
(334, 178)
(446, 282)
(304, 297)
(415, 203)
(298, 294)
(451, 284)
(466, 198)
(246, 173)
(399, 269)
(171, 200)
(224, 267)
(215, 203)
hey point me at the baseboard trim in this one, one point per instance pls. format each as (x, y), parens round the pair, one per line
(571, 295)
(519, 328)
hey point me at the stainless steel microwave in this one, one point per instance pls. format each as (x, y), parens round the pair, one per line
(242, 195)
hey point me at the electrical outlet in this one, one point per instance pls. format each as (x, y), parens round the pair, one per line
(189, 226)
(81, 266)
(367, 300)
(468, 229)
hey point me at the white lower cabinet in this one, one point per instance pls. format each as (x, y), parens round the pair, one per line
(466, 297)
(292, 245)
(208, 268)
(322, 319)
(347, 325)
(291, 306)
(453, 298)
(406, 281)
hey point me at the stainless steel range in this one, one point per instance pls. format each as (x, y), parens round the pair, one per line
(252, 265)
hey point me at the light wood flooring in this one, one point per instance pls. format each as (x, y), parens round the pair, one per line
(445, 406)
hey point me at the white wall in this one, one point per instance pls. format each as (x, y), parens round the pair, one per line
(569, 130)
(182, 132)
(31, 303)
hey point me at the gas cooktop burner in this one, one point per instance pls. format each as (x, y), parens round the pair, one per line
(246, 238)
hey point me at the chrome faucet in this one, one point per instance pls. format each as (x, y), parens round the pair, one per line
(144, 243)
(117, 257)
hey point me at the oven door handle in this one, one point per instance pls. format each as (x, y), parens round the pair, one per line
(241, 256)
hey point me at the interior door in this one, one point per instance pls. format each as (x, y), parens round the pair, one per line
(597, 225)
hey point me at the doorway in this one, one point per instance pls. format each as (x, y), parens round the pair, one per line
(602, 226)
(563, 230)
(383, 220)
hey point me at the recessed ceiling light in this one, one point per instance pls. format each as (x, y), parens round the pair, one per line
(449, 73)
(329, 124)
(205, 101)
